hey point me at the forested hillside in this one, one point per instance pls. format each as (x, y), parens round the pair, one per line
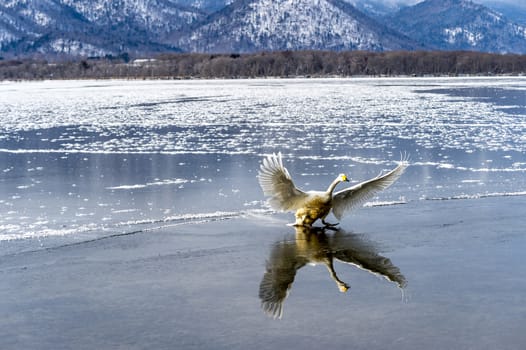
(272, 64)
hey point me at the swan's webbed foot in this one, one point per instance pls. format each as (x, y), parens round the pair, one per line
(329, 225)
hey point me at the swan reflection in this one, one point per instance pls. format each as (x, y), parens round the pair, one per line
(315, 246)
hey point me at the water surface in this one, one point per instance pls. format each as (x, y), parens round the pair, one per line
(82, 156)
(139, 201)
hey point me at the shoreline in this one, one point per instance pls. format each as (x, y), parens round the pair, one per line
(277, 78)
(271, 64)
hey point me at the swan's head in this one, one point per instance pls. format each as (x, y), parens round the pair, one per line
(343, 178)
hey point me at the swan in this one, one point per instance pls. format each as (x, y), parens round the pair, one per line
(276, 183)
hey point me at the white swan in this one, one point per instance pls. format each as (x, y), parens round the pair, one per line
(310, 206)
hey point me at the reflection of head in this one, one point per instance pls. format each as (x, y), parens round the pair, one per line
(312, 245)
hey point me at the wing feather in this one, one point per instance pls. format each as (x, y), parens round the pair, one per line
(278, 278)
(275, 181)
(354, 250)
(349, 198)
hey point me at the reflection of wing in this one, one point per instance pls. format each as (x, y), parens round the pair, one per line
(353, 250)
(277, 280)
(276, 182)
(351, 197)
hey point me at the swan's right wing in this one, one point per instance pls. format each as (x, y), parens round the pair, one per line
(345, 200)
(276, 183)
(278, 278)
(353, 249)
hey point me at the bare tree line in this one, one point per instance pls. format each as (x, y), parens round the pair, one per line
(270, 64)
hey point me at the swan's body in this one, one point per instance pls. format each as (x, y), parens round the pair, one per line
(310, 206)
(317, 204)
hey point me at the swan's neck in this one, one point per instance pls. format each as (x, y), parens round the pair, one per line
(332, 186)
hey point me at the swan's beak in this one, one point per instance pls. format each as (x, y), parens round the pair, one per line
(345, 178)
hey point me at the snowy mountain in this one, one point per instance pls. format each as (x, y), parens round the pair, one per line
(515, 12)
(65, 28)
(91, 27)
(460, 25)
(207, 6)
(256, 25)
(380, 8)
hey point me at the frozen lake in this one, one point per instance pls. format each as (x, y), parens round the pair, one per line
(155, 182)
(81, 157)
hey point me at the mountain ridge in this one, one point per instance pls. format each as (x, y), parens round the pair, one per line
(84, 28)
(459, 25)
(256, 25)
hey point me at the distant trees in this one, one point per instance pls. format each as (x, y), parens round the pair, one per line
(270, 64)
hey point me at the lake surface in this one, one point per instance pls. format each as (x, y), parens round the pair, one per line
(139, 200)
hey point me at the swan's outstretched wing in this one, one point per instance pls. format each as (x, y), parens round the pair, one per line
(276, 182)
(354, 250)
(278, 278)
(347, 199)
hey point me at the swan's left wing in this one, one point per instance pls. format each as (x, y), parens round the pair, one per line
(347, 199)
(276, 183)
